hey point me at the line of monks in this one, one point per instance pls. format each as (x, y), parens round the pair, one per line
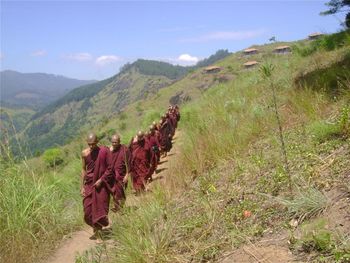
(105, 170)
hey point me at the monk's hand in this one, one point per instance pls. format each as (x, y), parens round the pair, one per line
(82, 192)
(98, 184)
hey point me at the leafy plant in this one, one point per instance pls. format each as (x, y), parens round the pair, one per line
(53, 157)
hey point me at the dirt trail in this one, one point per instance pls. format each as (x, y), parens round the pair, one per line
(76, 244)
(79, 241)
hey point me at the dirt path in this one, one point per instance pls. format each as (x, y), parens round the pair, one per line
(76, 244)
(79, 241)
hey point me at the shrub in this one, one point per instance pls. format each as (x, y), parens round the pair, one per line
(306, 203)
(53, 157)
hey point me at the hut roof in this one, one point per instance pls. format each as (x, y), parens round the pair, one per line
(248, 50)
(316, 34)
(282, 47)
(251, 63)
(210, 68)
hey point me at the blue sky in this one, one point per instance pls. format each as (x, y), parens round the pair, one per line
(93, 39)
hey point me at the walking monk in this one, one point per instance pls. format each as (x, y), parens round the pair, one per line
(119, 161)
(94, 188)
(154, 146)
(140, 162)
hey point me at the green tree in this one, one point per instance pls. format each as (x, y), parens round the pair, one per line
(53, 157)
(337, 6)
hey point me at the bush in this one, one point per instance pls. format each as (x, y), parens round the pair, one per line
(53, 157)
(306, 203)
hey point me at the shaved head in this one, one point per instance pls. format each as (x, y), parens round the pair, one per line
(92, 141)
(115, 137)
(140, 135)
(91, 138)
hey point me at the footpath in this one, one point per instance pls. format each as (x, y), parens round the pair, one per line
(78, 242)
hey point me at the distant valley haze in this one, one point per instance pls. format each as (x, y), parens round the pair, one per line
(34, 90)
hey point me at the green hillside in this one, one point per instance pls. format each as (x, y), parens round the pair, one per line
(16, 118)
(232, 186)
(97, 103)
(232, 195)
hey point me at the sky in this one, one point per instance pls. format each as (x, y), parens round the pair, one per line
(93, 39)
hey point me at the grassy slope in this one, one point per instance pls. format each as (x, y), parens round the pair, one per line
(16, 117)
(230, 141)
(231, 162)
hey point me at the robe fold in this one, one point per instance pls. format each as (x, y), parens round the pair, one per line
(154, 147)
(96, 201)
(165, 131)
(140, 164)
(119, 163)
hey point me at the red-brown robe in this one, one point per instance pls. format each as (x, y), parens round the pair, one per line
(96, 201)
(119, 163)
(140, 164)
(159, 138)
(165, 131)
(173, 123)
(154, 147)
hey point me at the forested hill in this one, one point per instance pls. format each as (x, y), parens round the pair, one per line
(93, 104)
(34, 90)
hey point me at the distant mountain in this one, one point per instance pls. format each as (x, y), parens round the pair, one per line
(34, 90)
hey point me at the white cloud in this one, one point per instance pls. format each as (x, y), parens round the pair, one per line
(188, 59)
(107, 59)
(225, 35)
(39, 53)
(83, 56)
(183, 60)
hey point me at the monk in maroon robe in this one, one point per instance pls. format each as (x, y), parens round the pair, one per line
(140, 162)
(154, 146)
(94, 187)
(119, 163)
(165, 130)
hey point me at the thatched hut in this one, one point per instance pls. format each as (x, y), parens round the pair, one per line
(250, 64)
(282, 50)
(315, 35)
(250, 51)
(212, 69)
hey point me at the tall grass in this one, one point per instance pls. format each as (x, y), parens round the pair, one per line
(36, 210)
(143, 233)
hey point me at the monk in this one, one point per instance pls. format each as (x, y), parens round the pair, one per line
(119, 163)
(94, 185)
(140, 162)
(154, 146)
(165, 131)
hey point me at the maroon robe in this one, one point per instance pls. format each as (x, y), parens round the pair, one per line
(165, 131)
(140, 164)
(119, 163)
(159, 138)
(154, 146)
(96, 201)
(172, 121)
